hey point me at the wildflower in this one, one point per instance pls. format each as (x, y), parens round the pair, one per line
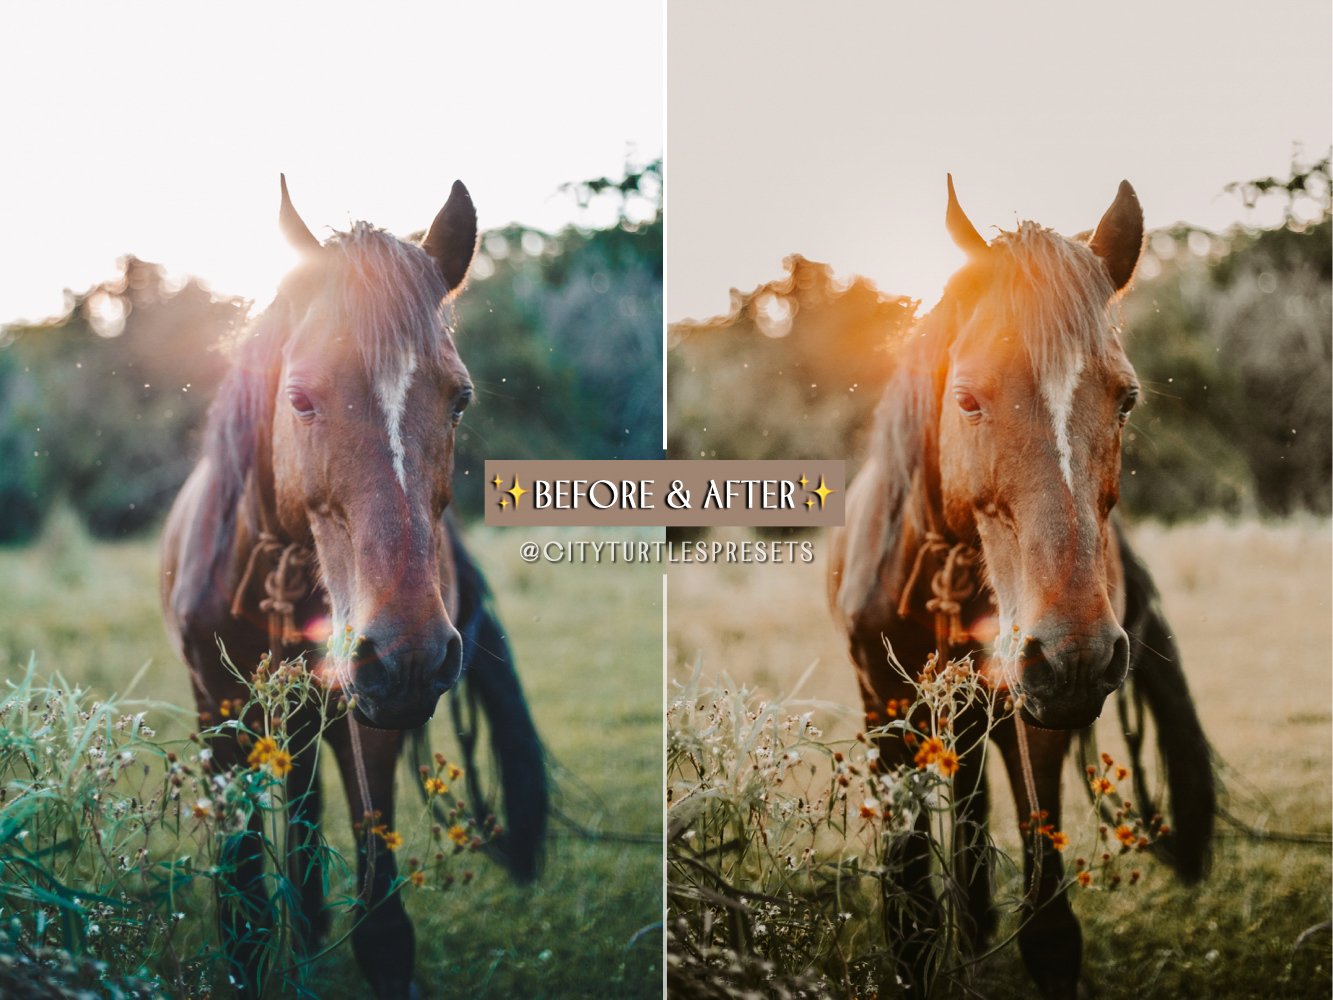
(417, 878)
(947, 762)
(392, 840)
(1085, 878)
(1059, 840)
(869, 809)
(202, 808)
(434, 786)
(1102, 787)
(458, 834)
(1121, 773)
(263, 751)
(931, 748)
(455, 772)
(280, 762)
(1125, 835)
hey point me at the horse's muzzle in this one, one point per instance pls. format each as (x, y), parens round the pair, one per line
(397, 686)
(1065, 682)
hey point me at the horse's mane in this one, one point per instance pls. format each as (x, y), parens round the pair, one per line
(1054, 291)
(387, 292)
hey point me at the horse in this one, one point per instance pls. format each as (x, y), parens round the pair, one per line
(317, 509)
(981, 524)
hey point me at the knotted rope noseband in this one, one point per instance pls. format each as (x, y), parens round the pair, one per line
(952, 583)
(285, 584)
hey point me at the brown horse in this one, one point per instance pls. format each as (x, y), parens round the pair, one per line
(981, 523)
(318, 507)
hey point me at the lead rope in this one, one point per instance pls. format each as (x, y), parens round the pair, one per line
(952, 584)
(1010, 661)
(284, 585)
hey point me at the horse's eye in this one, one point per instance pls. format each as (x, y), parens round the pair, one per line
(1127, 403)
(301, 403)
(968, 404)
(464, 398)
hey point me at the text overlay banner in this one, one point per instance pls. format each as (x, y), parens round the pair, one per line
(769, 493)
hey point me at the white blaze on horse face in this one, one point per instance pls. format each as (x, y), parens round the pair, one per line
(1058, 391)
(392, 394)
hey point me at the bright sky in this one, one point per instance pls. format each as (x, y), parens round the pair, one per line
(828, 129)
(159, 128)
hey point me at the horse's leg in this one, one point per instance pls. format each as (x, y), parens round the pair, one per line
(382, 941)
(911, 911)
(971, 854)
(305, 866)
(1050, 938)
(245, 911)
(244, 908)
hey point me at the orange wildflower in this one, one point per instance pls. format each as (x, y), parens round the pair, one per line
(1125, 835)
(455, 772)
(1102, 787)
(458, 834)
(392, 840)
(1085, 878)
(417, 878)
(947, 762)
(1059, 840)
(931, 748)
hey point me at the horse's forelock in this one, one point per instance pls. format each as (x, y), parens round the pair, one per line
(1056, 292)
(389, 293)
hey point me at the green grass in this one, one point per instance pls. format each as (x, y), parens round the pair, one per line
(588, 645)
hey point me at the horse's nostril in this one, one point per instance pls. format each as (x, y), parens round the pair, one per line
(1038, 671)
(371, 676)
(451, 666)
(1117, 664)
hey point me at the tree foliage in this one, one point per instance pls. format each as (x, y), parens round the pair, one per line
(1230, 335)
(102, 406)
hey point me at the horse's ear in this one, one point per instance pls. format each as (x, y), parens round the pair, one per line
(960, 227)
(452, 239)
(296, 231)
(1119, 236)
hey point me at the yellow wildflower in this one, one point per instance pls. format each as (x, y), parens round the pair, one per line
(434, 786)
(262, 751)
(279, 762)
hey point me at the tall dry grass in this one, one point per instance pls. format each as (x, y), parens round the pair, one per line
(1252, 609)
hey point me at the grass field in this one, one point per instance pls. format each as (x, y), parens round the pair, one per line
(1252, 609)
(588, 645)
